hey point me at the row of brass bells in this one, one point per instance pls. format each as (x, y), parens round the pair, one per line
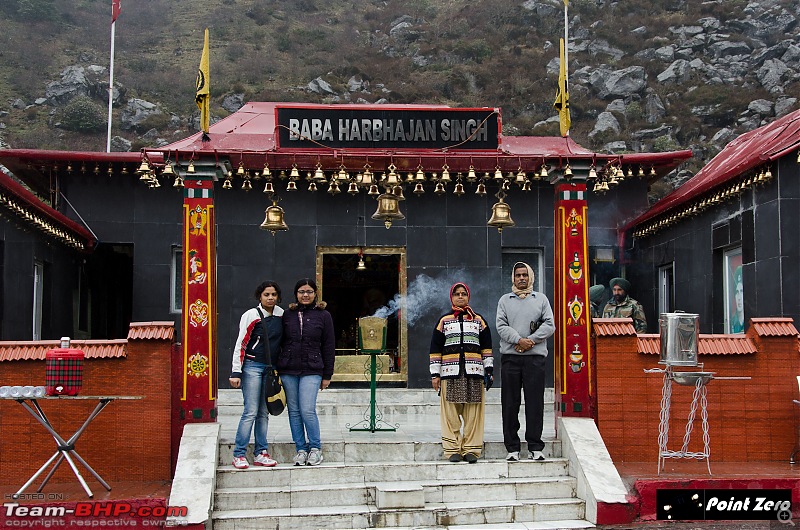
(273, 221)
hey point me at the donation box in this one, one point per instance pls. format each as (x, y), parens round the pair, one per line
(64, 372)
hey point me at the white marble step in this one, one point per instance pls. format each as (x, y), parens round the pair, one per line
(292, 477)
(434, 514)
(434, 491)
(379, 450)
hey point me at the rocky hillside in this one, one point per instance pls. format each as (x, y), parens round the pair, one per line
(645, 75)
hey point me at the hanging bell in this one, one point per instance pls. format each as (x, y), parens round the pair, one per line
(352, 188)
(543, 172)
(388, 209)
(630, 172)
(294, 173)
(144, 170)
(446, 173)
(318, 173)
(604, 186)
(154, 183)
(373, 190)
(459, 189)
(227, 184)
(520, 178)
(366, 178)
(240, 170)
(567, 172)
(361, 266)
(472, 177)
(392, 177)
(592, 172)
(419, 189)
(168, 171)
(410, 177)
(398, 191)
(246, 186)
(420, 174)
(333, 187)
(312, 186)
(273, 221)
(268, 188)
(178, 182)
(481, 189)
(342, 174)
(190, 169)
(291, 186)
(266, 172)
(498, 175)
(596, 188)
(641, 172)
(439, 188)
(501, 215)
(526, 186)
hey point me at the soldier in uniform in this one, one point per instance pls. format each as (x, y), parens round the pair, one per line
(596, 297)
(623, 306)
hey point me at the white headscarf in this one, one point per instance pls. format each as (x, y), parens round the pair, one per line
(522, 293)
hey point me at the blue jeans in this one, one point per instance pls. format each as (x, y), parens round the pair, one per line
(301, 400)
(255, 409)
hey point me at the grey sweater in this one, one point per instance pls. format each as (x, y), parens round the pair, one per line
(514, 318)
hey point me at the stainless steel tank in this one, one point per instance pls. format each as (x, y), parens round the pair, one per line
(679, 337)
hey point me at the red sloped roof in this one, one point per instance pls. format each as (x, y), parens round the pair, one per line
(707, 345)
(36, 350)
(152, 330)
(774, 327)
(606, 327)
(25, 206)
(748, 151)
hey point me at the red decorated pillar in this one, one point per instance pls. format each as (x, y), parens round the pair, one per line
(574, 361)
(198, 392)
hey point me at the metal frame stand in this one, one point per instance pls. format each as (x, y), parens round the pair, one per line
(699, 395)
(373, 417)
(64, 448)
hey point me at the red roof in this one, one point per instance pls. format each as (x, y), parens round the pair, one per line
(29, 209)
(36, 350)
(747, 152)
(151, 330)
(606, 327)
(774, 327)
(706, 345)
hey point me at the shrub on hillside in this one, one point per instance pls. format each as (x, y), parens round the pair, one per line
(83, 115)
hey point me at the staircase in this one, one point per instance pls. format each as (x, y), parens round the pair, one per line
(391, 479)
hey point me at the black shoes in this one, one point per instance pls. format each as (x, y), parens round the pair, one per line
(469, 457)
(455, 458)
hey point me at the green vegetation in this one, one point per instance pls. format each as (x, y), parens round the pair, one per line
(83, 115)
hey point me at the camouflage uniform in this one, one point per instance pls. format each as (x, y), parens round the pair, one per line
(628, 308)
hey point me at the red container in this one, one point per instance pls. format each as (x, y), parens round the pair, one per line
(64, 373)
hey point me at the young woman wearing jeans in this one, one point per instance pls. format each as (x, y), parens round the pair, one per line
(251, 357)
(305, 365)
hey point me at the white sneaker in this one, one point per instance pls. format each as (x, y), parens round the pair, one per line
(513, 456)
(536, 455)
(300, 458)
(315, 457)
(264, 460)
(240, 462)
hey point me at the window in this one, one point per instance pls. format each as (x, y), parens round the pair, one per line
(666, 288)
(38, 296)
(176, 281)
(734, 291)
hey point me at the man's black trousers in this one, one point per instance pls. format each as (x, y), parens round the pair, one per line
(522, 373)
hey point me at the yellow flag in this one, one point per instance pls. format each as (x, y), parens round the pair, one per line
(202, 95)
(561, 103)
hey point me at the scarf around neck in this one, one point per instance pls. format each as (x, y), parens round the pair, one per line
(466, 309)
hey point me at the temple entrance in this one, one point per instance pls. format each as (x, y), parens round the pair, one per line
(358, 282)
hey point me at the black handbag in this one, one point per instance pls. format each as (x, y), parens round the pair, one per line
(274, 394)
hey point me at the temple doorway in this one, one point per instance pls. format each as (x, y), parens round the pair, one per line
(358, 282)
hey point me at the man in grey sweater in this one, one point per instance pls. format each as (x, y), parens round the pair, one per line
(524, 323)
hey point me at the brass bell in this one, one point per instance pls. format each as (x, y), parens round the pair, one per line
(501, 214)
(388, 209)
(273, 221)
(652, 171)
(361, 266)
(604, 186)
(154, 183)
(318, 173)
(373, 190)
(398, 191)
(439, 188)
(352, 188)
(526, 186)
(410, 177)
(366, 178)
(543, 172)
(266, 172)
(227, 184)
(144, 170)
(294, 173)
(641, 172)
(419, 189)
(459, 190)
(312, 186)
(596, 188)
(630, 172)
(268, 188)
(342, 174)
(592, 172)
(498, 175)
(246, 185)
(481, 189)
(167, 170)
(520, 178)
(333, 187)
(446, 173)
(420, 173)
(567, 172)
(178, 182)
(190, 169)
(240, 170)
(291, 186)
(472, 177)
(391, 178)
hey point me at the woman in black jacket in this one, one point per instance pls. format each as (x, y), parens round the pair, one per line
(305, 365)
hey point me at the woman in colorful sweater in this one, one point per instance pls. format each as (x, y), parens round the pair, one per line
(461, 363)
(257, 347)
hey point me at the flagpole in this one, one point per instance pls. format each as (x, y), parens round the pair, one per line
(110, 86)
